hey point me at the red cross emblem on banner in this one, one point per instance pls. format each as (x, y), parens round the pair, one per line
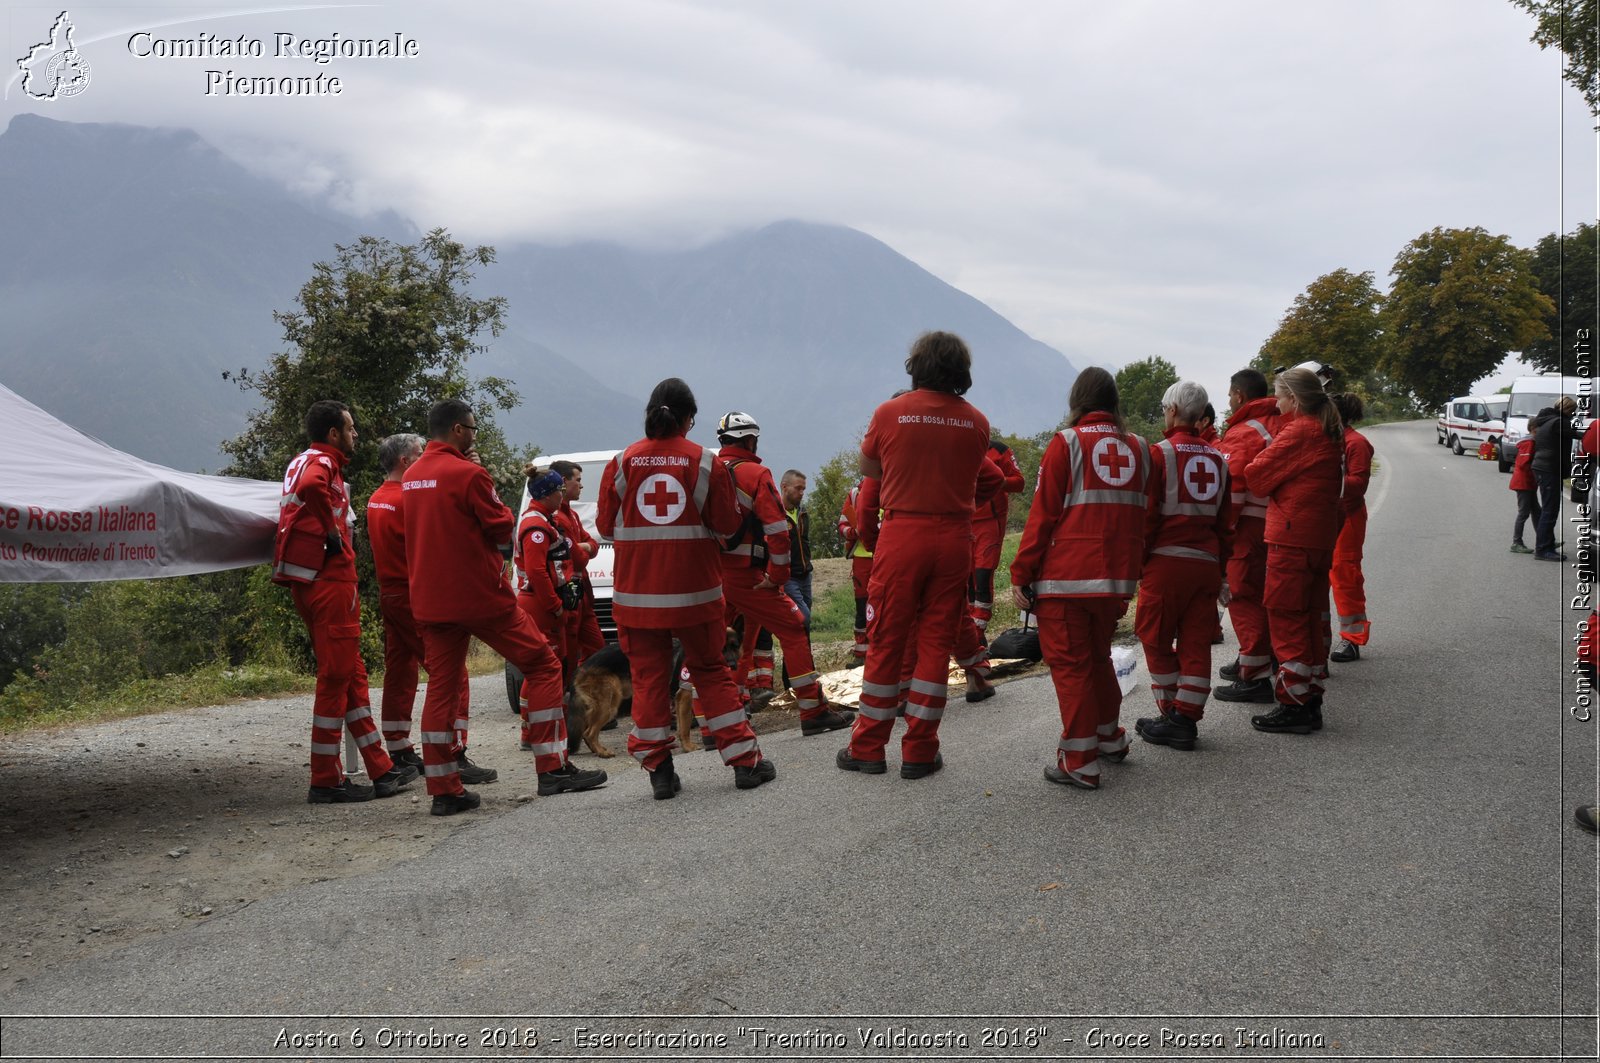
(1113, 460)
(1200, 477)
(661, 499)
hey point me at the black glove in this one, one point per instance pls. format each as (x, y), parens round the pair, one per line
(571, 594)
(334, 545)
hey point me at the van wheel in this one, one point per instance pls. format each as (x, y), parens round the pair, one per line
(1455, 446)
(1505, 466)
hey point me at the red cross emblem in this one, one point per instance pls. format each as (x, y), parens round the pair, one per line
(1113, 460)
(1201, 478)
(661, 499)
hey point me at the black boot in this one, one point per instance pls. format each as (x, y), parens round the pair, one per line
(748, 778)
(1230, 672)
(569, 779)
(1259, 690)
(1169, 729)
(1347, 652)
(1285, 719)
(664, 781)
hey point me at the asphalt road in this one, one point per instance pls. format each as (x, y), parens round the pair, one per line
(1385, 884)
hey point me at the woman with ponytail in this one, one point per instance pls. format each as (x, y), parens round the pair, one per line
(663, 502)
(1301, 473)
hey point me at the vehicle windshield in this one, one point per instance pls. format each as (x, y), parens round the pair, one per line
(592, 471)
(1497, 409)
(1528, 403)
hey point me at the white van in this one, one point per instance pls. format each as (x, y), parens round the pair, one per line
(1467, 422)
(1529, 395)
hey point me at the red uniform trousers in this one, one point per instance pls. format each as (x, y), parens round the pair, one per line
(649, 651)
(918, 595)
(551, 626)
(860, 579)
(332, 614)
(583, 636)
(512, 634)
(755, 656)
(1349, 586)
(1297, 600)
(987, 537)
(773, 610)
(1178, 604)
(1075, 638)
(402, 656)
(1247, 580)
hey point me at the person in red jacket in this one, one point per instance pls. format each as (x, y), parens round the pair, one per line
(755, 567)
(1349, 587)
(1186, 549)
(988, 536)
(1252, 422)
(860, 555)
(314, 556)
(1078, 565)
(1527, 489)
(402, 645)
(664, 503)
(1301, 474)
(541, 557)
(925, 448)
(584, 637)
(457, 534)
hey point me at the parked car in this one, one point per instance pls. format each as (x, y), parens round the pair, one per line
(1468, 422)
(593, 464)
(1529, 395)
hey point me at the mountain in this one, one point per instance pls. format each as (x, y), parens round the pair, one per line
(144, 263)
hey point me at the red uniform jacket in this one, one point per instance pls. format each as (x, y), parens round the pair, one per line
(584, 545)
(999, 508)
(664, 502)
(764, 524)
(537, 575)
(386, 531)
(455, 527)
(1302, 472)
(1357, 471)
(1250, 430)
(1522, 472)
(850, 523)
(1085, 531)
(315, 503)
(930, 445)
(1188, 509)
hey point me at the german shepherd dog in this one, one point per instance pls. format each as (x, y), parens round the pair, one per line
(604, 681)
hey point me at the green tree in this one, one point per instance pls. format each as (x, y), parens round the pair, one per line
(1335, 320)
(826, 498)
(1571, 26)
(1461, 300)
(1565, 269)
(1140, 386)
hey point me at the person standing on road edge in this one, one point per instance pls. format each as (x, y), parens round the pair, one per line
(1252, 422)
(402, 645)
(1349, 586)
(1553, 435)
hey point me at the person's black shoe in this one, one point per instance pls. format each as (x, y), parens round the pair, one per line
(1285, 719)
(1314, 712)
(408, 755)
(394, 780)
(846, 762)
(1230, 672)
(827, 720)
(1586, 817)
(345, 793)
(1348, 651)
(472, 774)
(760, 699)
(1549, 555)
(450, 804)
(1062, 777)
(1259, 690)
(1169, 729)
(979, 689)
(664, 781)
(910, 770)
(569, 779)
(748, 778)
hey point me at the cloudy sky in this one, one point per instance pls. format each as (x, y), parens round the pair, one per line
(1143, 178)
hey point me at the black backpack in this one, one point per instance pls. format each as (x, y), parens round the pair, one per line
(1018, 643)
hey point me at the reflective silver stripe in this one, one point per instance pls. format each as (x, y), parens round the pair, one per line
(1193, 697)
(461, 723)
(737, 750)
(775, 528)
(1254, 511)
(1106, 497)
(968, 662)
(1169, 504)
(743, 549)
(779, 559)
(291, 499)
(860, 647)
(668, 601)
(397, 725)
(1165, 679)
(744, 500)
(283, 568)
(1297, 689)
(327, 723)
(808, 703)
(1296, 667)
(1261, 428)
(981, 604)
(396, 745)
(1078, 745)
(1236, 497)
(438, 771)
(1185, 551)
(727, 719)
(640, 755)
(358, 714)
(1249, 661)
(873, 712)
(620, 481)
(881, 690)
(1354, 618)
(1195, 509)
(438, 738)
(761, 673)
(702, 484)
(1089, 770)
(656, 534)
(1085, 586)
(1201, 681)
(1106, 729)
(1256, 500)
(798, 681)
(546, 749)
(652, 734)
(1074, 461)
(327, 749)
(368, 739)
(1115, 745)
(931, 713)
(542, 716)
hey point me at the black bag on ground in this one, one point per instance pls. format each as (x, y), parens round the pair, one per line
(1017, 643)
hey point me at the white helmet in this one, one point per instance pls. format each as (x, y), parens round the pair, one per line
(1321, 370)
(736, 425)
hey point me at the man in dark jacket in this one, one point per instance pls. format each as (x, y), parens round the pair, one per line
(1553, 435)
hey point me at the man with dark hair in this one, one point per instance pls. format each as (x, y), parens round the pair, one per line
(402, 646)
(457, 531)
(584, 637)
(314, 556)
(925, 450)
(792, 489)
(1252, 422)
